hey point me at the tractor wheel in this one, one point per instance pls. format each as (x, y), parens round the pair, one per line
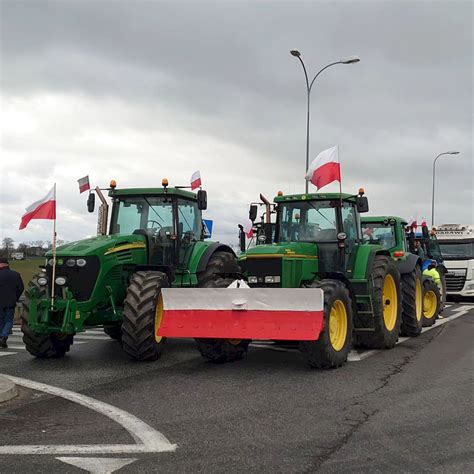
(334, 343)
(114, 332)
(412, 303)
(220, 350)
(43, 346)
(387, 306)
(142, 316)
(431, 302)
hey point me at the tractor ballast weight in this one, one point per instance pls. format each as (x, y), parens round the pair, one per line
(155, 240)
(316, 283)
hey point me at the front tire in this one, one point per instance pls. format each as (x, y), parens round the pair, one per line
(220, 350)
(141, 316)
(412, 303)
(386, 303)
(334, 343)
(42, 346)
(431, 302)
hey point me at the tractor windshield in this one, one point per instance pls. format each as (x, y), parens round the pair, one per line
(304, 221)
(379, 233)
(149, 213)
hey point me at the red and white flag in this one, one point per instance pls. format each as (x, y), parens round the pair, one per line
(84, 184)
(195, 180)
(45, 208)
(248, 229)
(325, 168)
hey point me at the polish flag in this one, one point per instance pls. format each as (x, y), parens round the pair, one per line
(325, 168)
(84, 184)
(248, 229)
(195, 180)
(45, 208)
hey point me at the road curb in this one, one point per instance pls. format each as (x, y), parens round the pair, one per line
(7, 390)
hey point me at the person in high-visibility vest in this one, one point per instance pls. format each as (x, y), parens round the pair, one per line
(429, 269)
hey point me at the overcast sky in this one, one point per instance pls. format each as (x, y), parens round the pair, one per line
(140, 90)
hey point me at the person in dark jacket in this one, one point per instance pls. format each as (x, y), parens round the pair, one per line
(11, 288)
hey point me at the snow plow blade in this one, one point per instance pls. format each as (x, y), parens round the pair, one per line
(242, 313)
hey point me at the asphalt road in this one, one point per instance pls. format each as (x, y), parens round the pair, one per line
(408, 409)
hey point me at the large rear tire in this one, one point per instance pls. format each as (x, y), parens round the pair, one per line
(431, 302)
(412, 303)
(141, 316)
(334, 343)
(42, 346)
(387, 306)
(220, 350)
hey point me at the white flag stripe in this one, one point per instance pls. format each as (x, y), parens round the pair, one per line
(326, 156)
(196, 175)
(83, 181)
(51, 196)
(261, 299)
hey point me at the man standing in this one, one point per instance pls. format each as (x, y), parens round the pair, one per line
(11, 288)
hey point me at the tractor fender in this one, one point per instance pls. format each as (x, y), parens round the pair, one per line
(370, 260)
(213, 248)
(409, 264)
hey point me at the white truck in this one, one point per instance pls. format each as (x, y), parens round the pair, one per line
(457, 247)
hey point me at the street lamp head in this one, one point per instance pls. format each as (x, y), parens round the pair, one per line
(453, 152)
(295, 53)
(350, 60)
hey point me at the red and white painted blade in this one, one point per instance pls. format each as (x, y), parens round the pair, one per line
(242, 313)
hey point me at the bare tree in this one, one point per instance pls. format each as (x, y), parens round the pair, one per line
(8, 245)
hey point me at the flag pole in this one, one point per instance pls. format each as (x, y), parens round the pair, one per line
(54, 253)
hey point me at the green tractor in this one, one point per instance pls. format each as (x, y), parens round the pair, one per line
(316, 282)
(422, 299)
(155, 240)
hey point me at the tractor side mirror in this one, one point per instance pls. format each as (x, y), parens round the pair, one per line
(91, 202)
(241, 238)
(253, 212)
(202, 200)
(362, 204)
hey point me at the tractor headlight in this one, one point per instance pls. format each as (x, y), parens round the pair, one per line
(60, 281)
(253, 279)
(42, 281)
(51, 262)
(80, 262)
(272, 279)
(70, 262)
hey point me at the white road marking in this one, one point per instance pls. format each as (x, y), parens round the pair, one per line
(98, 465)
(147, 438)
(92, 337)
(7, 353)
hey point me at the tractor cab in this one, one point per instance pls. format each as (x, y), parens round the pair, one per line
(169, 219)
(312, 233)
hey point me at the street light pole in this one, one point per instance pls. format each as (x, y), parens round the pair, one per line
(433, 193)
(309, 86)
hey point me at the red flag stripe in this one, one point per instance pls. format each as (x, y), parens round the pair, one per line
(46, 210)
(326, 174)
(251, 324)
(196, 183)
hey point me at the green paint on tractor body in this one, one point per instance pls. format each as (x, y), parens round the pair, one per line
(150, 229)
(317, 236)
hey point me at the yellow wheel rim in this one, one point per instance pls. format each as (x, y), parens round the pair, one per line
(390, 302)
(429, 304)
(419, 300)
(158, 318)
(234, 342)
(338, 325)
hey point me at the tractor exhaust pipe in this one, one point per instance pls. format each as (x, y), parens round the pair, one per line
(103, 213)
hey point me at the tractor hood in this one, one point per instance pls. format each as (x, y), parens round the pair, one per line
(100, 245)
(291, 250)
